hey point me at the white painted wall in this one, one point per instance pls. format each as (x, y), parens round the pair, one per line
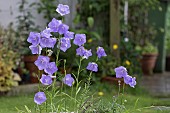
(9, 12)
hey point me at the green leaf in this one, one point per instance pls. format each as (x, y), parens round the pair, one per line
(90, 21)
(96, 35)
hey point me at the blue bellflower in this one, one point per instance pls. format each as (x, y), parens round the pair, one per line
(69, 35)
(121, 72)
(42, 62)
(87, 54)
(80, 39)
(48, 42)
(80, 51)
(40, 98)
(63, 28)
(68, 80)
(63, 9)
(46, 79)
(51, 68)
(35, 49)
(34, 38)
(64, 44)
(100, 52)
(46, 33)
(54, 24)
(92, 67)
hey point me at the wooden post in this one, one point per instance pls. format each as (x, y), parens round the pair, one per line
(114, 27)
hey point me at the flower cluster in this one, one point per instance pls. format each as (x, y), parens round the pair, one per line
(46, 40)
(121, 72)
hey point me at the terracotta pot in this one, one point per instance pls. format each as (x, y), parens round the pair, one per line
(168, 63)
(30, 66)
(148, 63)
(112, 80)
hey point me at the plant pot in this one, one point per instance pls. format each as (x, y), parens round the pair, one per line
(168, 63)
(112, 80)
(148, 63)
(31, 67)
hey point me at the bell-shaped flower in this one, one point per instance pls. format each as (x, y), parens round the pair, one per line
(46, 79)
(34, 38)
(51, 68)
(80, 39)
(54, 24)
(92, 66)
(40, 98)
(35, 49)
(62, 29)
(64, 44)
(100, 52)
(68, 80)
(63, 9)
(121, 72)
(42, 62)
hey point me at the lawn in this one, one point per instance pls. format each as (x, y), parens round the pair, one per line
(134, 103)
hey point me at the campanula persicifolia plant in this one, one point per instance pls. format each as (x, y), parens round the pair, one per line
(45, 98)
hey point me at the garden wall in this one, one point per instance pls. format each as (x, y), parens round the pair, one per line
(9, 12)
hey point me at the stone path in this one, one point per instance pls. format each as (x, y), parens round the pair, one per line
(157, 84)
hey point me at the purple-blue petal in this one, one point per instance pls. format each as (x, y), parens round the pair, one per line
(42, 62)
(80, 39)
(51, 68)
(100, 52)
(63, 9)
(69, 35)
(92, 67)
(46, 79)
(68, 80)
(35, 49)
(54, 24)
(64, 44)
(121, 72)
(63, 28)
(46, 33)
(40, 98)
(34, 38)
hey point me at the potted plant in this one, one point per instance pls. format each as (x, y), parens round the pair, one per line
(149, 56)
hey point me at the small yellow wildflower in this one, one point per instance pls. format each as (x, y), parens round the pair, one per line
(115, 46)
(127, 62)
(100, 93)
(90, 40)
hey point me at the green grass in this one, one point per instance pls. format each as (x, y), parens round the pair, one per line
(134, 103)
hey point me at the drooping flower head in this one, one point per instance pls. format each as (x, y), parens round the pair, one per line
(48, 42)
(130, 80)
(80, 51)
(63, 9)
(51, 68)
(80, 39)
(92, 67)
(132, 83)
(35, 49)
(69, 35)
(46, 33)
(64, 44)
(54, 24)
(46, 79)
(100, 52)
(34, 38)
(121, 72)
(68, 80)
(39, 98)
(87, 54)
(62, 29)
(42, 62)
